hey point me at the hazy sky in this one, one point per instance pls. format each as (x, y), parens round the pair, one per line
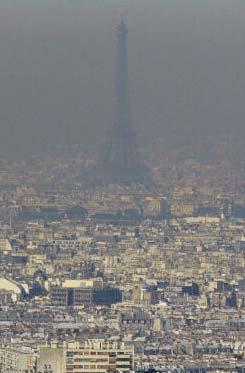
(187, 68)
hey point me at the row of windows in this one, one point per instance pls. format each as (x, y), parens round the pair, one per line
(123, 366)
(105, 352)
(92, 360)
(89, 367)
(98, 366)
(71, 371)
(88, 353)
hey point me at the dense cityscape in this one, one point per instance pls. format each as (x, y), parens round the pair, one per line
(133, 263)
(155, 276)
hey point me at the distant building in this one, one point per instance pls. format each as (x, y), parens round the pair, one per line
(61, 296)
(14, 290)
(120, 163)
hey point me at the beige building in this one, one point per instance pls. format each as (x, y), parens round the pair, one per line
(5, 246)
(91, 356)
(51, 359)
(10, 287)
(180, 209)
(99, 356)
(17, 360)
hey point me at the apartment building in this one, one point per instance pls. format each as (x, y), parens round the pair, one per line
(17, 360)
(90, 356)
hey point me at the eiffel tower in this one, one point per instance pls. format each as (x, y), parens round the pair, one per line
(120, 162)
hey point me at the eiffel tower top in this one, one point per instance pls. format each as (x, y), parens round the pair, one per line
(122, 29)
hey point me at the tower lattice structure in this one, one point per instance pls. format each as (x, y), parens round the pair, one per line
(121, 163)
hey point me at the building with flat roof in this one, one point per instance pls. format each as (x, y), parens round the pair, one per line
(78, 296)
(90, 356)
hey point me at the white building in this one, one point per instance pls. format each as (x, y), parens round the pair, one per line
(17, 360)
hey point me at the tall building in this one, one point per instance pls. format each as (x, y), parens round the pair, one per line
(120, 162)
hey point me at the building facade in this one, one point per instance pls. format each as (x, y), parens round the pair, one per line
(91, 356)
(60, 296)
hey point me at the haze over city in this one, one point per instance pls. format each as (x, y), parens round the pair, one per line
(186, 61)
